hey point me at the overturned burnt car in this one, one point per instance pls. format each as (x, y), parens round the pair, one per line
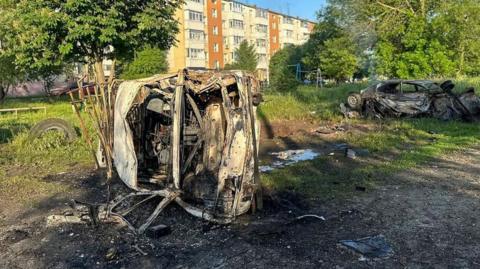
(190, 138)
(413, 98)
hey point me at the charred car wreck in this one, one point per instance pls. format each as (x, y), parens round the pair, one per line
(413, 98)
(189, 138)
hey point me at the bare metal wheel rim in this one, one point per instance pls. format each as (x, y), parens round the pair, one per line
(352, 100)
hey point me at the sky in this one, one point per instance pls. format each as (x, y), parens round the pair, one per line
(302, 8)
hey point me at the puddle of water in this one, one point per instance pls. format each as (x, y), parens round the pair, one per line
(289, 157)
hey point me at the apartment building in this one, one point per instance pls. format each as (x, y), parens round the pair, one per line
(211, 31)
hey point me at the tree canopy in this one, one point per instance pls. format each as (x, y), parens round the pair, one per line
(388, 38)
(46, 34)
(147, 62)
(246, 58)
(282, 69)
(416, 38)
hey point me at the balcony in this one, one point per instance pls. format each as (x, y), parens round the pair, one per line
(195, 25)
(195, 63)
(193, 5)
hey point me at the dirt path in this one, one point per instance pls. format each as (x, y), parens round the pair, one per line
(428, 214)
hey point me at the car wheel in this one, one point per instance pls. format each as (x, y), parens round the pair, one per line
(354, 101)
(53, 124)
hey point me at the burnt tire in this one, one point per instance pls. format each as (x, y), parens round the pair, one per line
(355, 101)
(53, 124)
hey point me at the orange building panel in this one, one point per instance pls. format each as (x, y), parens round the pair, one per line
(274, 24)
(215, 34)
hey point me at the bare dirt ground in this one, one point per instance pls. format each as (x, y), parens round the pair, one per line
(428, 214)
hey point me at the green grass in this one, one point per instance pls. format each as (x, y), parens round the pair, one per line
(22, 150)
(25, 162)
(394, 144)
(307, 103)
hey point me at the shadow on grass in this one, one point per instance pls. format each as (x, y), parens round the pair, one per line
(7, 134)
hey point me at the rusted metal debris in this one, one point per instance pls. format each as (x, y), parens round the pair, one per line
(413, 98)
(189, 138)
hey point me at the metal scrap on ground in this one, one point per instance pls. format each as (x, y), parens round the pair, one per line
(370, 247)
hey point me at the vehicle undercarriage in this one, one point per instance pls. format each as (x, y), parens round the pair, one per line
(191, 138)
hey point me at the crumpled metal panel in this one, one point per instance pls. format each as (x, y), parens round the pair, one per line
(224, 176)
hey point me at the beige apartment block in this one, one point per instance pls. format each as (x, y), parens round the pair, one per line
(203, 44)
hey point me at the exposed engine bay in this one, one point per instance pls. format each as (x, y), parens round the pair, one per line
(192, 138)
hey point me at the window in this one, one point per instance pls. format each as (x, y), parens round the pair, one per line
(236, 7)
(261, 43)
(195, 16)
(214, 13)
(262, 28)
(274, 25)
(261, 13)
(287, 20)
(215, 47)
(408, 88)
(237, 24)
(274, 39)
(304, 24)
(237, 39)
(234, 56)
(215, 30)
(289, 33)
(217, 64)
(196, 35)
(195, 53)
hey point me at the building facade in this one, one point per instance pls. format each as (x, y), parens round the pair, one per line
(211, 31)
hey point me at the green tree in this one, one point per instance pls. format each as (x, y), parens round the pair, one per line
(246, 58)
(147, 62)
(417, 38)
(47, 33)
(331, 47)
(338, 59)
(9, 75)
(457, 27)
(328, 27)
(282, 69)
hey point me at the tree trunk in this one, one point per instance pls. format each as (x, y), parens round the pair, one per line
(3, 93)
(100, 75)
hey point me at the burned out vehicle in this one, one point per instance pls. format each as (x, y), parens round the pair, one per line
(413, 98)
(190, 138)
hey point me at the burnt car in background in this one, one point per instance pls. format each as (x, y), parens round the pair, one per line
(413, 98)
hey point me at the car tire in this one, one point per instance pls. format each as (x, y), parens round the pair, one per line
(355, 101)
(53, 124)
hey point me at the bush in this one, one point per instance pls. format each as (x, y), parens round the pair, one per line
(147, 62)
(282, 69)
